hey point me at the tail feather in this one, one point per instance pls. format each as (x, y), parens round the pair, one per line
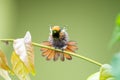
(47, 43)
(56, 56)
(43, 49)
(67, 56)
(51, 55)
(72, 48)
(62, 57)
(46, 53)
(72, 43)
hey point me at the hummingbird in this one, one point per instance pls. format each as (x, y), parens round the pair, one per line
(58, 39)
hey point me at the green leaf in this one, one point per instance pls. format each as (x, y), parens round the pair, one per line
(24, 49)
(116, 66)
(115, 36)
(5, 74)
(4, 62)
(23, 57)
(105, 73)
(19, 67)
(4, 68)
(94, 76)
(116, 32)
(118, 20)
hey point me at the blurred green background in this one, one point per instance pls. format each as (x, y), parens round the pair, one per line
(89, 22)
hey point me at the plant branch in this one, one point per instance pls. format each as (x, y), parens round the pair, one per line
(52, 48)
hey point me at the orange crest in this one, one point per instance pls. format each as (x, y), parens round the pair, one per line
(57, 28)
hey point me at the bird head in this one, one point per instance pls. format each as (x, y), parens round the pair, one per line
(56, 31)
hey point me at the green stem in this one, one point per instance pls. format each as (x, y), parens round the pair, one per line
(52, 48)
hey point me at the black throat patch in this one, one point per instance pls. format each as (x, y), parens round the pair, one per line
(56, 34)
